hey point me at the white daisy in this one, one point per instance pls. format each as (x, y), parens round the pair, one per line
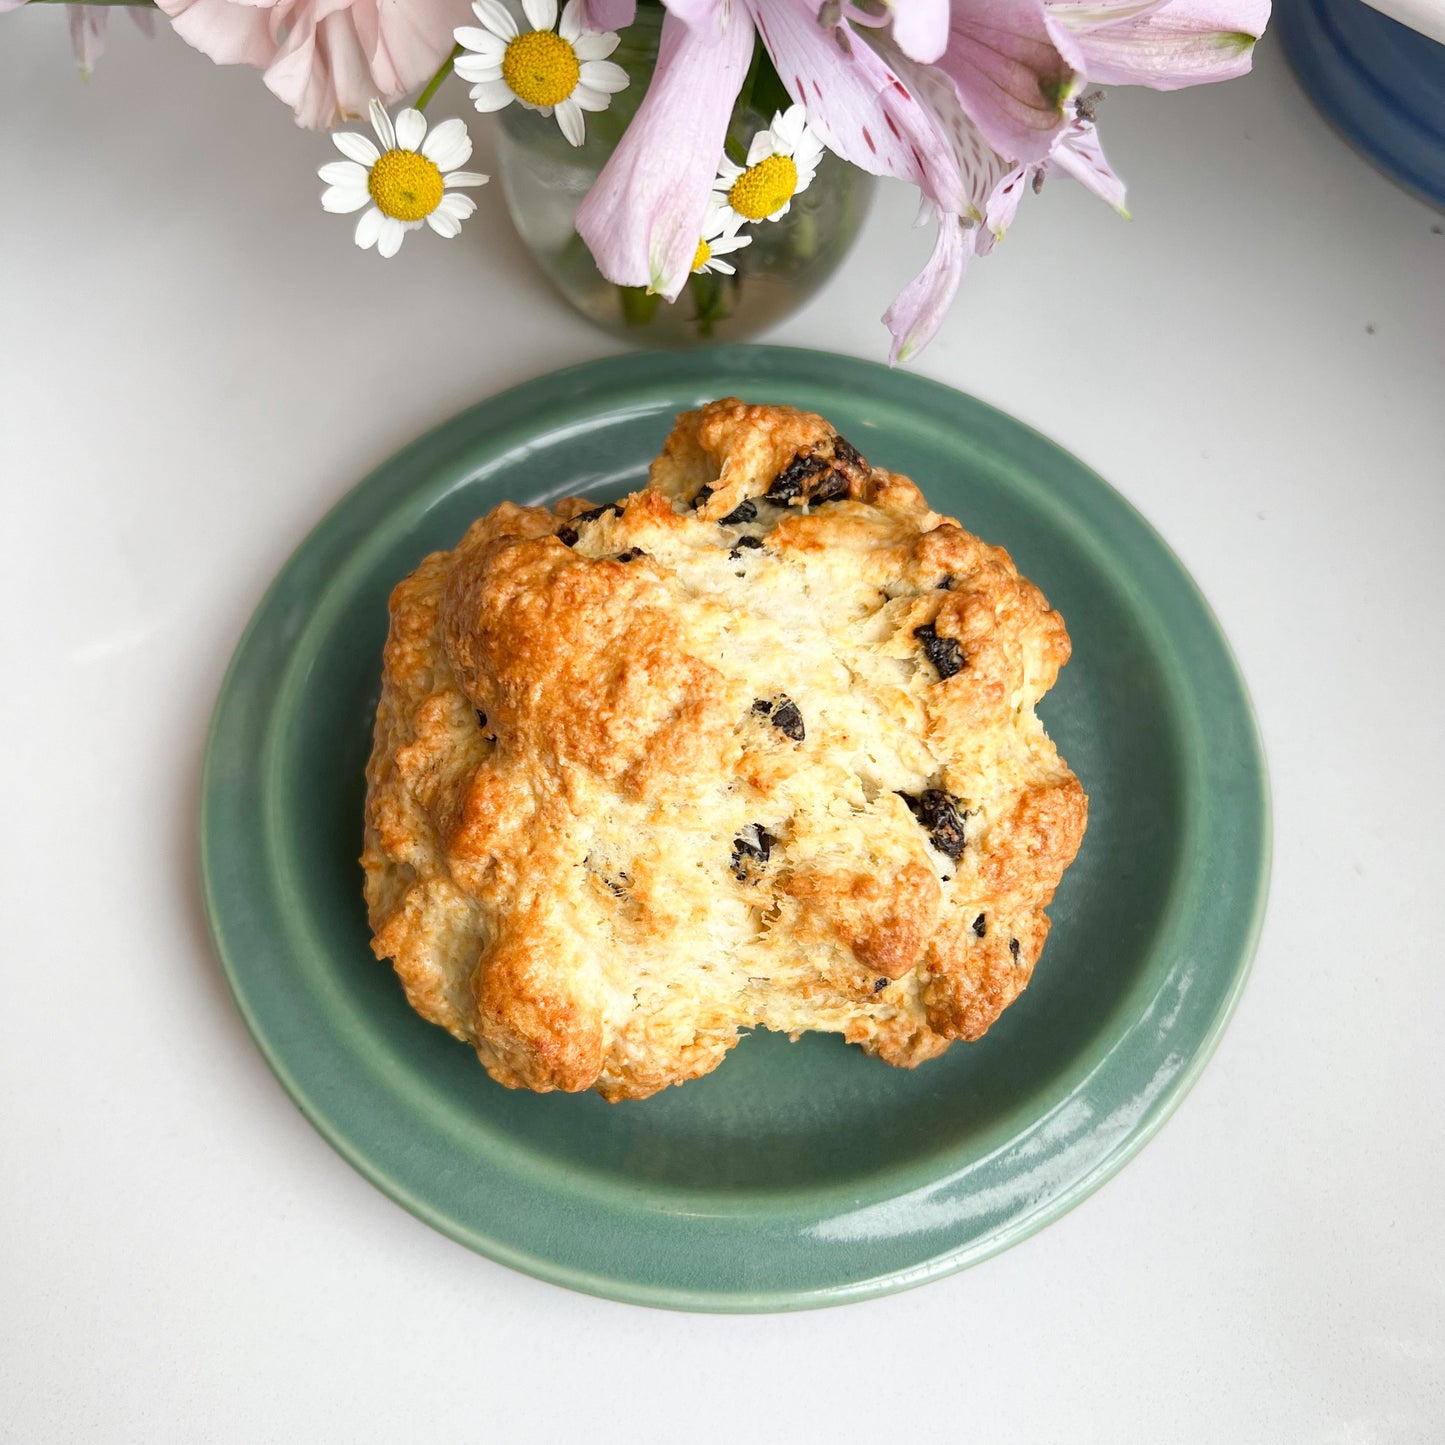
(411, 179)
(564, 70)
(719, 238)
(782, 161)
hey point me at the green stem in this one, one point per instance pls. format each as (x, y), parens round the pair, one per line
(434, 84)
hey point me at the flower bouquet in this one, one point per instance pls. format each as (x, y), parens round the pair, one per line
(710, 125)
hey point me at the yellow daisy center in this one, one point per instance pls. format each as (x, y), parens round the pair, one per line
(405, 186)
(701, 256)
(764, 188)
(541, 68)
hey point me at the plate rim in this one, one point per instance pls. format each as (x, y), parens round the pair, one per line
(733, 364)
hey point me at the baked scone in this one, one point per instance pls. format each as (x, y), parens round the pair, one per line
(752, 747)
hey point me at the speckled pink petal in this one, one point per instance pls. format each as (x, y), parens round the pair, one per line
(856, 102)
(1081, 156)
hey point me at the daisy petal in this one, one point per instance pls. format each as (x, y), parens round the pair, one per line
(790, 125)
(410, 129)
(356, 147)
(342, 200)
(589, 99)
(496, 17)
(368, 228)
(604, 75)
(571, 26)
(448, 145)
(761, 147)
(480, 42)
(343, 173)
(726, 268)
(809, 150)
(455, 205)
(492, 95)
(541, 13)
(381, 124)
(569, 117)
(464, 178)
(478, 69)
(591, 46)
(388, 243)
(444, 224)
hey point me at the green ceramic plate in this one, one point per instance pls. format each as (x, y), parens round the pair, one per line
(797, 1174)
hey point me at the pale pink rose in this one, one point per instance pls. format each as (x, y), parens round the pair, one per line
(327, 59)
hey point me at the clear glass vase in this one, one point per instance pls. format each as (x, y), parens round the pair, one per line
(544, 179)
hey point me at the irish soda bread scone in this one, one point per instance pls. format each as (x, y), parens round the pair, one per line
(753, 746)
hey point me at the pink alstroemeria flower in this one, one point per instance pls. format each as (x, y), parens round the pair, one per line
(995, 110)
(326, 59)
(1164, 44)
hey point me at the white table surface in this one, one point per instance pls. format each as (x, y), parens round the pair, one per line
(195, 363)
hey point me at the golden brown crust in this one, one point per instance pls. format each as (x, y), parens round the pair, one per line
(753, 747)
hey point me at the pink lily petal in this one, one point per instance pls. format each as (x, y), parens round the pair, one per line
(644, 213)
(1015, 73)
(856, 102)
(977, 167)
(1084, 15)
(1002, 206)
(1186, 42)
(920, 27)
(607, 14)
(921, 306)
(697, 12)
(1081, 156)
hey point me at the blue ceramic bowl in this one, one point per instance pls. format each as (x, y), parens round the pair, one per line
(1379, 83)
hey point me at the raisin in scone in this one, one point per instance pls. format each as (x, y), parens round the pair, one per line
(754, 746)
